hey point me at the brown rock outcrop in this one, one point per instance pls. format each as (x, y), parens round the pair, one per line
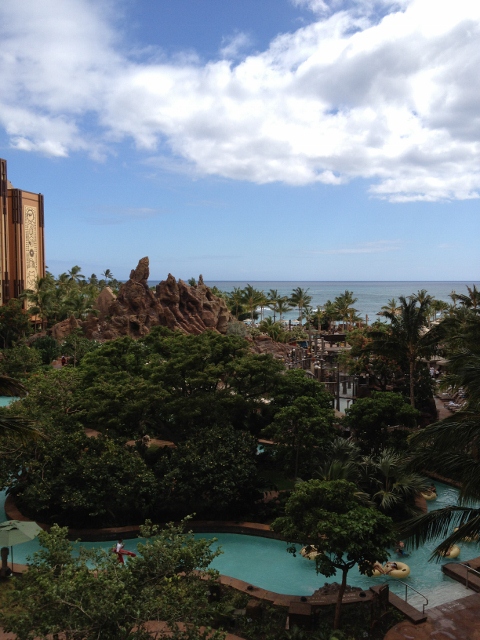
(173, 304)
(63, 329)
(264, 344)
(103, 302)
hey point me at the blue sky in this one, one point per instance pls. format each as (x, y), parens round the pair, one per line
(252, 140)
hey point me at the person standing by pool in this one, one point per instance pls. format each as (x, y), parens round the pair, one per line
(118, 550)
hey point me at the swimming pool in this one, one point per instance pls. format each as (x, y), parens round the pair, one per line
(266, 564)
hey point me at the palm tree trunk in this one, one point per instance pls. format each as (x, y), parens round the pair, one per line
(412, 383)
(341, 591)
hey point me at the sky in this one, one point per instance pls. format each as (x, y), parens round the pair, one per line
(248, 140)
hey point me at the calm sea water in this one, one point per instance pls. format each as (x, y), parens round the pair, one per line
(371, 296)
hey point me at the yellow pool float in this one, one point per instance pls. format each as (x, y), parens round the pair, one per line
(402, 571)
(309, 551)
(468, 538)
(429, 495)
(453, 552)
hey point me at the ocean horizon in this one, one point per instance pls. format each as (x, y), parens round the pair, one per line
(371, 295)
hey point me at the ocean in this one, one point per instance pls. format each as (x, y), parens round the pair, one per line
(371, 296)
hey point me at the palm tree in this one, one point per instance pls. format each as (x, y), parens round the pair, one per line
(75, 275)
(107, 274)
(342, 461)
(344, 306)
(262, 304)
(283, 305)
(273, 329)
(472, 300)
(438, 306)
(272, 300)
(451, 446)
(39, 301)
(252, 298)
(80, 304)
(330, 314)
(300, 298)
(235, 299)
(392, 307)
(406, 340)
(391, 485)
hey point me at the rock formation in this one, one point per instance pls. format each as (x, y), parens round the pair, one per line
(264, 344)
(137, 309)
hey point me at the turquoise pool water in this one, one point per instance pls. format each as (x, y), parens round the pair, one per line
(265, 563)
(6, 400)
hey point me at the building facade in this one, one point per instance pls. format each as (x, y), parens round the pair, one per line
(22, 238)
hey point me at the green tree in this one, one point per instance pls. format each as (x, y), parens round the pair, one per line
(20, 361)
(300, 431)
(235, 301)
(407, 341)
(76, 346)
(382, 420)
(294, 384)
(273, 298)
(299, 298)
(391, 307)
(282, 307)
(343, 305)
(330, 516)
(213, 474)
(48, 347)
(72, 479)
(108, 275)
(14, 323)
(89, 597)
(75, 274)
(274, 329)
(392, 486)
(252, 298)
(450, 447)
(471, 300)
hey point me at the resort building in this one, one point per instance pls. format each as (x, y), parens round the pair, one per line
(22, 240)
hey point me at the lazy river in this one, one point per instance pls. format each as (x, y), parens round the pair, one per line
(266, 564)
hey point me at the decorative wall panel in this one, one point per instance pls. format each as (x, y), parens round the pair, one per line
(31, 246)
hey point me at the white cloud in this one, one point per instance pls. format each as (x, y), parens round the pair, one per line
(386, 91)
(234, 45)
(317, 6)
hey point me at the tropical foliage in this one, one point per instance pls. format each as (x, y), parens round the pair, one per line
(55, 299)
(451, 447)
(331, 516)
(91, 596)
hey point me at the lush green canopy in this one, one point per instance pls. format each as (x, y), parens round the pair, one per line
(333, 517)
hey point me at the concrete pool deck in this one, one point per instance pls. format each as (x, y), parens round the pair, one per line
(456, 620)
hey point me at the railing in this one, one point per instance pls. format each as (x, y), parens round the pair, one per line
(468, 568)
(407, 587)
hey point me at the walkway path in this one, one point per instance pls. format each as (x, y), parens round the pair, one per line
(457, 620)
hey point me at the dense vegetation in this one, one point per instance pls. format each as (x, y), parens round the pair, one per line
(211, 398)
(206, 394)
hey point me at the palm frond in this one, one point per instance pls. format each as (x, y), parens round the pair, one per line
(440, 524)
(11, 387)
(19, 429)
